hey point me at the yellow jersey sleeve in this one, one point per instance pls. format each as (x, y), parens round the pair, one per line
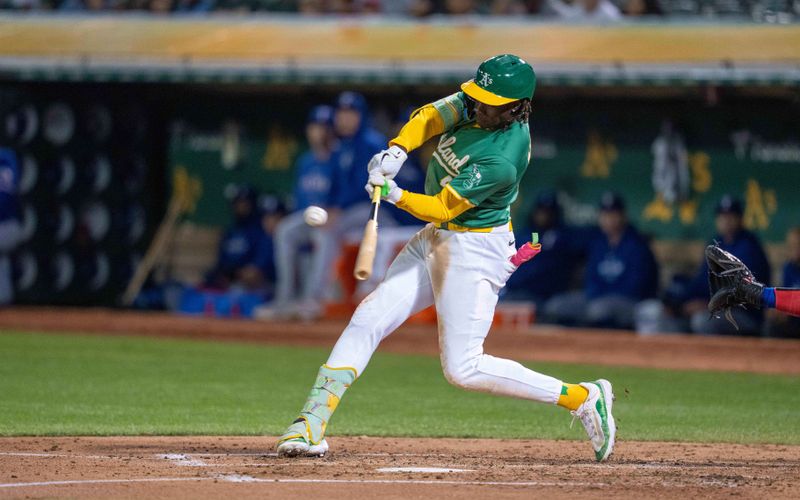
(424, 124)
(430, 120)
(444, 206)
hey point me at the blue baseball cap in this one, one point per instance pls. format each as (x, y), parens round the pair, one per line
(729, 205)
(351, 100)
(322, 114)
(269, 204)
(236, 192)
(612, 202)
(547, 199)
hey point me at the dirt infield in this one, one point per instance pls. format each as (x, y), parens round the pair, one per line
(364, 467)
(245, 467)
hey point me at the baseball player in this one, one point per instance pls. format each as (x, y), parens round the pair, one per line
(459, 261)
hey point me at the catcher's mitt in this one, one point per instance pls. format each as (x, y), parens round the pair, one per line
(730, 282)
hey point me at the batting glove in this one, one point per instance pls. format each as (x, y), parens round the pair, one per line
(387, 162)
(525, 253)
(390, 191)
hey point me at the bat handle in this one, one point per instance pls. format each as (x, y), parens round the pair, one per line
(376, 201)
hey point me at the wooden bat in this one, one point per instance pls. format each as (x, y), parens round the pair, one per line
(366, 252)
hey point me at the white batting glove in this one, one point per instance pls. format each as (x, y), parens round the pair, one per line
(390, 191)
(388, 162)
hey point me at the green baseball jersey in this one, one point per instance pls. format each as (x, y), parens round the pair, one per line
(483, 166)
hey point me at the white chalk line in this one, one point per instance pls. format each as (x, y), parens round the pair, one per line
(103, 481)
(238, 478)
(52, 455)
(183, 460)
(422, 469)
(431, 481)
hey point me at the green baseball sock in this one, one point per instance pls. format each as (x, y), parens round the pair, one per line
(322, 401)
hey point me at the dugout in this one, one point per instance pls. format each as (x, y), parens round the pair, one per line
(180, 93)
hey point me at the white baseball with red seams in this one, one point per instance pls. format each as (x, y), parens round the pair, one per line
(315, 216)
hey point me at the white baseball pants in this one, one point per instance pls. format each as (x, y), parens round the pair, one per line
(461, 273)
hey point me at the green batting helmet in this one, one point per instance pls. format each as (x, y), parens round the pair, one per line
(500, 80)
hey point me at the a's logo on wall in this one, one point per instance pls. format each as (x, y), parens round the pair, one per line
(600, 156)
(761, 204)
(485, 80)
(186, 189)
(281, 149)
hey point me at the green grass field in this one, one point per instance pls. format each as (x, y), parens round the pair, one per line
(92, 385)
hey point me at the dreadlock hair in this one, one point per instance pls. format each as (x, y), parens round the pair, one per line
(519, 113)
(522, 112)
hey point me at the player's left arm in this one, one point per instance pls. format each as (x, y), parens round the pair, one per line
(444, 206)
(424, 123)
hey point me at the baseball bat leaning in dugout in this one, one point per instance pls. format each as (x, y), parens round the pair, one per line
(366, 252)
(155, 251)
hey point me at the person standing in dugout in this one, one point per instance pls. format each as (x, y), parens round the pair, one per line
(459, 261)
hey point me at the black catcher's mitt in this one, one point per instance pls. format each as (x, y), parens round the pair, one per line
(730, 282)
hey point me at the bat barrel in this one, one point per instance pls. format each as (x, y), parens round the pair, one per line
(366, 252)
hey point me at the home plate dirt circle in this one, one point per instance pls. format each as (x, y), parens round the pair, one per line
(248, 467)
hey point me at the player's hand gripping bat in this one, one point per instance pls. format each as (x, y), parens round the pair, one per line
(366, 252)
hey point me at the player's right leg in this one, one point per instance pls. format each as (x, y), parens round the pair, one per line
(469, 269)
(405, 291)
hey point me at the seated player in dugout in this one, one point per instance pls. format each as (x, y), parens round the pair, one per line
(562, 250)
(237, 259)
(459, 261)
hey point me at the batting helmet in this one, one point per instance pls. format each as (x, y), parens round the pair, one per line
(500, 80)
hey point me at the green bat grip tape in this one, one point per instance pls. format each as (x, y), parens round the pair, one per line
(534, 238)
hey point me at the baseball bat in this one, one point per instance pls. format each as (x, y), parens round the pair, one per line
(156, 249)
(366, 252)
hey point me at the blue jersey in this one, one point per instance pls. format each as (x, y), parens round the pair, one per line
(628, 269)
(9, 182)
(239, 245)
(265, 257)
(790, 277)
(315, 179)
(551, 271)
(747, 248)
(351, 159)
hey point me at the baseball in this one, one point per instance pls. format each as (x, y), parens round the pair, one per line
(315, 216)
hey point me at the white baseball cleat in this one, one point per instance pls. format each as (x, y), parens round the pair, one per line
(301, 447)
(595, 415)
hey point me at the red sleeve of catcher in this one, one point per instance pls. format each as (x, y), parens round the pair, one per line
(788, 301)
